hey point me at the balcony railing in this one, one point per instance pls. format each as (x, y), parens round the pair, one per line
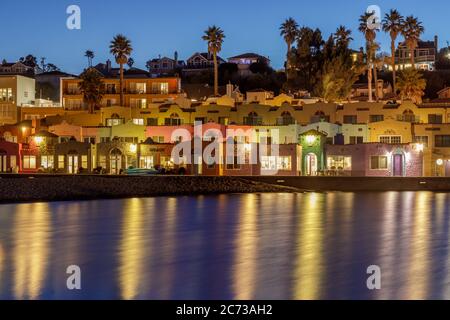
(253, 121)
(408, 118)
(285, 121)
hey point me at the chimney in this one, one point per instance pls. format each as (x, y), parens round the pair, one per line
(108, 65)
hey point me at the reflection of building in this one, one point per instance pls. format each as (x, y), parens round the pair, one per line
(424, 55)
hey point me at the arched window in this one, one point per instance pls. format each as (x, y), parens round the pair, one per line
(252, 119)
(285, 119)
(320, 116)
(173, 120)
(408, 116)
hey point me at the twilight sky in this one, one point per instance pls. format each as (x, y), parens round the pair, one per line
(161, 27)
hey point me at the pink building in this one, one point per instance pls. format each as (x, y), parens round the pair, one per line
(375, 160)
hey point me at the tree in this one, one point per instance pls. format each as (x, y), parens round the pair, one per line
(130, 62)
(342, 37)
(393, 24)
(411, 85)
(370, 36)
(412, 29)
(91, 87)
(289, 31)
(49, 67)
(29, 60)
(214, 37)
(89, 54)
(121, 48)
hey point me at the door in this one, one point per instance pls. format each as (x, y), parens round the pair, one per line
(398, 165)
(311, 164)
(115, 161)
(72, 164)
(2, 163)
(447, 168)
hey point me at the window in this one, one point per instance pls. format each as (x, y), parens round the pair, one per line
(6, 94)
(202, 120)
(376, 117)
(152, 121)
(102, 162)
(174, 120)
(61, 162)
(47, 162)
(378, 162)
(391, 139)
(442, 141)
(435, 118)
(350, 119)
(160, 88)
(139, 122)
(141, 88)
(138, 103)
(113, 122)
(13, 161)
(29, 162)
(421, 139)
(339, 163)
(233, 163)
(89, 139)
(223, 120)
(356, 140)
(84, 162)
(146, 162)
(276, 163)
(158, 139)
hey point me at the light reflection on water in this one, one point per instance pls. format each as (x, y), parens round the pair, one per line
(254, 246)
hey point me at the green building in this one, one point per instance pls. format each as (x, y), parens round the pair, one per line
(313, 142)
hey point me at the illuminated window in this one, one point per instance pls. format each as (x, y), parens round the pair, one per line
(47, 162)
(84, 162)
(421, 139)
(146, 162)
(160, 88)
(391, 139)
(276, 163)
(378, 162)
(339, 163)
(29, 162)
(6, 94)
(61, 162)
(102, 162)
(139, 122)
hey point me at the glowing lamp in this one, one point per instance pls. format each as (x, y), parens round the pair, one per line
(38, 140)
(310, 139)
(419, 147)
(439, 162)
(133, 148)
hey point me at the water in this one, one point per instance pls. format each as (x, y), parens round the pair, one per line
(255, 246)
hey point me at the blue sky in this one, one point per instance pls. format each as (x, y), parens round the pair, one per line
(161, 27)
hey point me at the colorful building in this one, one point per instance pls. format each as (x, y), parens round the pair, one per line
(375, 160)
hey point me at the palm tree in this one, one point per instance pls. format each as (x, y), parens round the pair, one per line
(121, 48)
(289, 31)
(370, 36)
(411, 85)
(130, 62)
(393, 24)
(91, 87)
(342, 37)
(412, 29)
(89, 54)
(214, 36)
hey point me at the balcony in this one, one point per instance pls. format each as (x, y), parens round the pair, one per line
(408, 118)
(285, 121)
(72, 92)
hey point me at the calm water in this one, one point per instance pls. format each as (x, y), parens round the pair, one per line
(257, 246)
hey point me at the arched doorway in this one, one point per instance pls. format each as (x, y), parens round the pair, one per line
(408, 116)
(3, 164)
(115, 161)
(311, 164)
(72, 162)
